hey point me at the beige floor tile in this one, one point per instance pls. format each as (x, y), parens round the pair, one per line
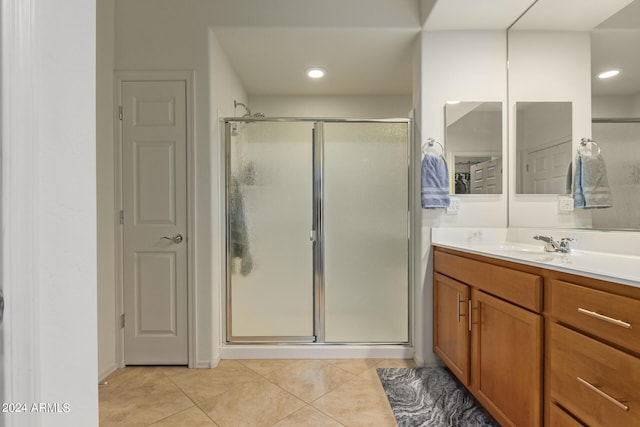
(355, 366)
(172, 371)
(309, 379)
(359, 402)
(254, 404)
(133, 376)
(204, 384)
(140, 405)
(308, 417)
(192, 417)
(371, 374)
(397, 363)
(264, 367)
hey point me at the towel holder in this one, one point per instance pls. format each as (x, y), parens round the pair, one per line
(432, 146)
(588, 147)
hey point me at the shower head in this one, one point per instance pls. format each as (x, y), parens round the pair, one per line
(247, 109)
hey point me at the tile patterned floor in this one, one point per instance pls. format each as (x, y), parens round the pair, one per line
(254, 393)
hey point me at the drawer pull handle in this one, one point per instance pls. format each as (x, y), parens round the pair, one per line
(603, 394)
(605, 318)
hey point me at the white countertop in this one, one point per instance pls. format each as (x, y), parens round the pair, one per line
(624, 269)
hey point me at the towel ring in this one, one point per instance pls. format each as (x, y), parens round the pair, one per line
(588, 147)
(432, 146)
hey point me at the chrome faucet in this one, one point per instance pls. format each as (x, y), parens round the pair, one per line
(551, 245)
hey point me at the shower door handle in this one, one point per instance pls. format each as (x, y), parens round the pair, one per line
(313, 235)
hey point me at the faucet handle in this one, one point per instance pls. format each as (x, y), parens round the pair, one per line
(564, 243)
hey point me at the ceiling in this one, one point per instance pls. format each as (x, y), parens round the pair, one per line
(366, 46)
(614, 44)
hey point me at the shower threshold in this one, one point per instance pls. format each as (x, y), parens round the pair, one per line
(316, 351)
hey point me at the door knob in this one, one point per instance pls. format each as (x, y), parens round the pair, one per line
(175, 239)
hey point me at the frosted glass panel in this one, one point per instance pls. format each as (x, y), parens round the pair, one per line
(620, 147)
(365, 232)
(270, 219)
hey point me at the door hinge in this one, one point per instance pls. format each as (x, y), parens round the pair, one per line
(121, 217)
(120, 112)
(122, 320)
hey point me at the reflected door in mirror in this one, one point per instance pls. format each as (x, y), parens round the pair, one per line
(543, 147)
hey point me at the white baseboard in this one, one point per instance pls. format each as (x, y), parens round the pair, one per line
(315, 352)
(207, 364)
(106, 372)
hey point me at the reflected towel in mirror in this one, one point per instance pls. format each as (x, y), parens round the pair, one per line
(238, 229)
(591, 189)
(435, 182)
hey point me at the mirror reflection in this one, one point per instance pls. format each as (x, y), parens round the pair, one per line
(616, 114)
(474, 147)
(543, 147)
(609, 34)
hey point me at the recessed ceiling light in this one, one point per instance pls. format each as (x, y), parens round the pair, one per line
(453, 102)
(609, 73)
(316, 73)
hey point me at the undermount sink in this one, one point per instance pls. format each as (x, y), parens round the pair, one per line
(521, 248)
(525, 252)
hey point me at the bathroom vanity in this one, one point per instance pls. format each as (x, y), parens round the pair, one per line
(536, 340)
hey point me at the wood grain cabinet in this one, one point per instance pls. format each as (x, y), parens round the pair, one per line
(451, 340)
(538, 346)
(493, 345)
(594, 368)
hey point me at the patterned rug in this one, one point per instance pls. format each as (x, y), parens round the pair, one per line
(431, 397)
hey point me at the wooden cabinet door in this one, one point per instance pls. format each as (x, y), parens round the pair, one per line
(451, 324)
(506, 360)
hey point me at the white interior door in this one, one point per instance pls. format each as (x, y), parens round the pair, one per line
(154, 180)
(486, 177)
(546, 169)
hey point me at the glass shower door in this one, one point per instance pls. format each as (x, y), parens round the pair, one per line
(365, 232)
(270, 270)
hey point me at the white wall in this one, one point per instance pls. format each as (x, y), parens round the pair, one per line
(356, 106)
(106, 210)
(548, 66)
(465, 66)
(49, 209)
(225, 88)
(67, 209)
(617, 106)
(477, 131)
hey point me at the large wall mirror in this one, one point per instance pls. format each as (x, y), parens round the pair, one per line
(474, 147)
(543, 147)
(615, 107)
(556, 53)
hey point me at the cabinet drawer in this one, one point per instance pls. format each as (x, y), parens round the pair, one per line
(559, 418)
(593, 381)
(466, 270)
(518, 287)
(611, 317)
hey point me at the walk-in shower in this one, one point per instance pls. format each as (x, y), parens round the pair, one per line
(317, 231)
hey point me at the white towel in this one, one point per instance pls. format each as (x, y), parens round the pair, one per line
(591, 189)
(435, 182)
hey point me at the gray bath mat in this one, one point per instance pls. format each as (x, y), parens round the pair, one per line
(431, 397)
